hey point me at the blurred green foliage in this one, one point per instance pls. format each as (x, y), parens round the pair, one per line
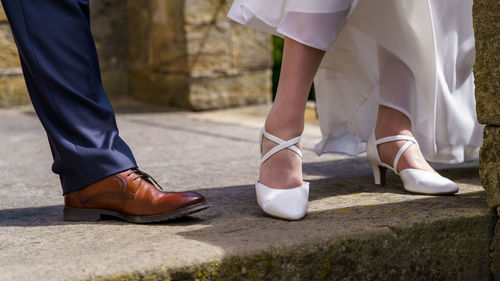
(277, 56)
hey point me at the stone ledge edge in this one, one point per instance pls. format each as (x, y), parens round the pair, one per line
(449, 249)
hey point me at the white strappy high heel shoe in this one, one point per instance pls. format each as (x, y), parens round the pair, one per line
(288, 204)
(416, 181)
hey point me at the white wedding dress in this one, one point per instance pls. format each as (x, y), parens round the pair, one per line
(412, 55)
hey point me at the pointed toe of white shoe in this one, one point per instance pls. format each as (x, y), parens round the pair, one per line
(287, 204)
(416, 181)
(423, 182)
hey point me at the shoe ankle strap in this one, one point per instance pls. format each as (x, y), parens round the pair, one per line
(395, 138)
(282, 144)
(409, 141)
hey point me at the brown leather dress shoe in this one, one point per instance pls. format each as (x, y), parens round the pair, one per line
(131, 196)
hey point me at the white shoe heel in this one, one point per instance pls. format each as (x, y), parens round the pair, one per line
(287, 204)
(416, 181)
(379, 173)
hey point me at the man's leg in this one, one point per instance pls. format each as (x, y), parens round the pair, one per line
(61, 68)
(97, 170)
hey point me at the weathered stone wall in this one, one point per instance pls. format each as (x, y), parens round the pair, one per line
(184, 53)
(490, 164)
(109, 22)
(230, 63)
(487, 66)
(190, 55)
(157, 51)
(487, 80)
(12, 87)
(109, 26)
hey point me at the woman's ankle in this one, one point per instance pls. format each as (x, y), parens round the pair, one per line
(284, 169)
(391, 122)
(284, 128)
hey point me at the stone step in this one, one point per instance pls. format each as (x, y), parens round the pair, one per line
(354, 230)
(446, 238)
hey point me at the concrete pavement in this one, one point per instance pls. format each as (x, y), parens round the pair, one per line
(354, 229)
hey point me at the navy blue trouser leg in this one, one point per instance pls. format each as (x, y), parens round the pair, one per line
(61, 69)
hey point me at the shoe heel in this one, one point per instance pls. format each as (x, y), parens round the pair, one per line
(379, 173)
(76, 214)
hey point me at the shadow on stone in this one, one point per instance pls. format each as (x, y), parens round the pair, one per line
(52, 216)
(35, 216)
(340, 178)
(353, 175)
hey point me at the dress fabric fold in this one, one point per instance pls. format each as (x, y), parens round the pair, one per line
(413, 56)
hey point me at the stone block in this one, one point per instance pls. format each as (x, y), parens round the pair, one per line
(13, 91)
(115, 82)
(250, 48)
(168, 50)
(445, 249)
(168, 39)
(110, 30)
(218, 92)
(158, 88)
(192, 44)
(199, 12)
(208, 47)
(489, 164)
(487, 66)
(250, 88)
(8, 51)
(156, 36)
(139, 23)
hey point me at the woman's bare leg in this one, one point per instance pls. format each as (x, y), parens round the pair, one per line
(286, 118)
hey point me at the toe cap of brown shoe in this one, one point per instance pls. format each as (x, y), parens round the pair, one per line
(177, 200)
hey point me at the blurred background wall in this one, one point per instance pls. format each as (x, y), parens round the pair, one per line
(181, 53)
(12, 88)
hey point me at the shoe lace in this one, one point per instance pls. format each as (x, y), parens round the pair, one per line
(145, 176)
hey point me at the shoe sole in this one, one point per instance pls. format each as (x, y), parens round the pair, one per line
(92, 215)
